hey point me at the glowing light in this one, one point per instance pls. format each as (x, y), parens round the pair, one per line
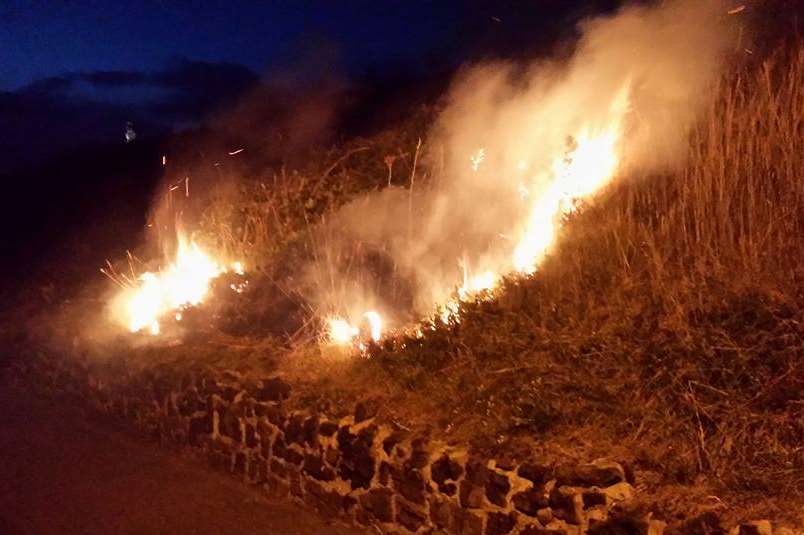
(477, 158)
(184, 283)
(341, 332)
(589, 165)
(375, 324)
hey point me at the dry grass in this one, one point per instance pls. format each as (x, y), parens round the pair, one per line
(667, 327)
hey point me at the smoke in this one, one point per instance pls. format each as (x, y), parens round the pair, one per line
(509, 158)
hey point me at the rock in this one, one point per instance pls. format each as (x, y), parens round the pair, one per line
(357, 463)
(289, 454)
(544, 515)
(367, 434)
(445, 469)
(619, 492)
(275, 414)
(530, 501)
(469, 523)
(757, 527)
(332, 456)
(273, 389)
(537, 473)
(317, 469)
(379, 503)
(410, 484)
(567, 505)
(443, 514)
(365, 410)
(500, 523)
(477, 473)
(471, 495)
(596, 514)
(310, 431)
(599, 473)
(497, 488)
(294, 431)
(409, 516)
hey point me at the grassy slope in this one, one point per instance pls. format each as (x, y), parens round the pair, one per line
(667, 328)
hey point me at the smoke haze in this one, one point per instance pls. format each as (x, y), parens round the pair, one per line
(641, 74)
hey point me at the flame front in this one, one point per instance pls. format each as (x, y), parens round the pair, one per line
(156, 295)
(587, 163)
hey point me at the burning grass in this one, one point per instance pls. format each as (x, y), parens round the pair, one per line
(667, 326)
(664, 329)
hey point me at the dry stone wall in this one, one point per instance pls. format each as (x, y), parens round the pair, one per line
(366, 472)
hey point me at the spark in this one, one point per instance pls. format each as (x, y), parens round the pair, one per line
(477, 158)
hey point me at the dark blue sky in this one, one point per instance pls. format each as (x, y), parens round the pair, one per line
(74, 72)
(46, 38)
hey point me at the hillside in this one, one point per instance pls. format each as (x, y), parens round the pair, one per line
(664, 329)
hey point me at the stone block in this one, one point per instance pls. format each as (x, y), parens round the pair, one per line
(315, 467)
(535, 472)
(410, 484)
(599, 473)
(469, 523)
(379, 503)
(497, 488)
(567, 504)
(409, 515)
(471, 495)
(500, 523)
(530, 501)
(273, 389)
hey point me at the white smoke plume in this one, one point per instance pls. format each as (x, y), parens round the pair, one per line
(510, 133)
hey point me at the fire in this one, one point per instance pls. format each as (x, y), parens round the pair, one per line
(343, 333)
(587, 164)
(184, 283)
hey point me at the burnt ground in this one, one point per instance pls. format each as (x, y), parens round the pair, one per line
(62, 473)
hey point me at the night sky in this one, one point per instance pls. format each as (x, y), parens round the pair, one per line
(42, 39)
(74, 72)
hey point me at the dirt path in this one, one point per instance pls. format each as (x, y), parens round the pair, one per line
(61, 474)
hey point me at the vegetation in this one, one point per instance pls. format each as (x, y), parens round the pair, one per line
(665, 328)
